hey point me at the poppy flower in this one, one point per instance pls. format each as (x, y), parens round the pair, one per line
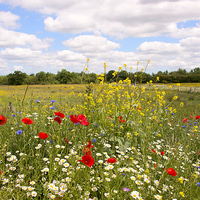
(155, 165)
(27, 121)
(3, 120)
(111, 160)
(87, 151)
(171, 171)
(59, 114)
(197, 117)
(89, 145)
(87, 160)
(0, 172)
(162, 153)
(121, 120)
(66, 140)
(57, 119)
(191, 116)
(79, 119)
(43, 135)
(185, 120)
(153, 150)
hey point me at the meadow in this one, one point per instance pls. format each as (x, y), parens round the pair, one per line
(100, 141)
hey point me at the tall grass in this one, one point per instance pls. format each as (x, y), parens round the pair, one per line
(143, 129)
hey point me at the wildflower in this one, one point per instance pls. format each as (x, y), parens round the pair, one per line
(121, 120)
(57, 119)
(158, 196)
(53, 101)
(3, 120)
(59, 114)
(135, 194)
(198, 184)
(79, 119)
(43, 135)
(87, 160)
(171, 171)
(162, 153)
(153, 150)
(106, 194)
(19, 132)
(185, 120)
(197, 117)
(111, 160)
(126, 189)
(52, 107)
(66, 140)
(27, 121)
(182, 194)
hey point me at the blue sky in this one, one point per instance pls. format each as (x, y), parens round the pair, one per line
(48, 35)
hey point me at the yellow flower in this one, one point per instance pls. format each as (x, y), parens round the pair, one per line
(120, 68)
(142, 70)
(137, 62)
(175, 98)
(178, 84)
(181, 104)
(180, 179)
(88, 59)
(157, 78)
(182, 194)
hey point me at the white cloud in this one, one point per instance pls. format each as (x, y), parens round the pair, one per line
(3, 64)
(13, 39)
(8, 20)
(17, 68)
(144, 18)
(90, 44)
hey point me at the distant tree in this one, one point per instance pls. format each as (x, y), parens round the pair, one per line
(64, 76)
(41, 76)
(17, 78)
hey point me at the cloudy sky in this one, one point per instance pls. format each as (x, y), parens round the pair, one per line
(49, 35)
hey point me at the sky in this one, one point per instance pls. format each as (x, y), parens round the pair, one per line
(49, 35)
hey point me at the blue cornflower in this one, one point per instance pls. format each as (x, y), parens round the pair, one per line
(96, 124)
(52, 107)
(183, 126)
(154, 110)
(51, 141)
(19, 112)
(14, 115)
(172, 113)
(123, 174)
(19, 132)
(53, 101)
(198, 184)
(195, 122)
(70, 129)
(94, 140)
(77, 123)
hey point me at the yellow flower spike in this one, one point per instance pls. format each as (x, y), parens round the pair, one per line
(181, 180)
(182, 194)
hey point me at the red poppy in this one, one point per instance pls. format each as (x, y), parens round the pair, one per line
(171, 171)
(121, 120)
(185, 120)
(153, 150)
(59, 114)
(27, 121)
(87, 151)
(155, 165)
(87, 160)
(197, 117)
(3, 120)
(191, 116)
(111, 160)
(57, 119)
(89, 145)
(0, 172)
(43, 135)
(162, 153)
(66, 140)
(80, 118)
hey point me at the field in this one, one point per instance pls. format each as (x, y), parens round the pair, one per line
(105, 141)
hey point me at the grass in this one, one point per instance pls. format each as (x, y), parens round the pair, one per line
(142, 128)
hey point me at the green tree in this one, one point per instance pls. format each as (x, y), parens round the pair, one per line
(17, 78)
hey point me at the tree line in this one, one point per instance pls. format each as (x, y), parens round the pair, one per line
(66, 77)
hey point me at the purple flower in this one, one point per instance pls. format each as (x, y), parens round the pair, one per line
(198, 184)
(126, 189)
(19, 132)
